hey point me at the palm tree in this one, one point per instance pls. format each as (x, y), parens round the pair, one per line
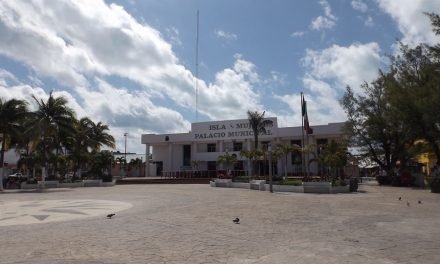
(227, 159)
(12, 113)
(258, 125)
(51, 117)
(285, 149)
(88, 137)
(334, 156)
(247, 154)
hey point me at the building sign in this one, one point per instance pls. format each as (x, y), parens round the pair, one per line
(230, 129)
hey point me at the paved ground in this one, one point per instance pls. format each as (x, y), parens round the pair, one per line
(193, 224)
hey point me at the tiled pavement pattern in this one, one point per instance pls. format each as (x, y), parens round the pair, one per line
(193, 224)
(45, 211)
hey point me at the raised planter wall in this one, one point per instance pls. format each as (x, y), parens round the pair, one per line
(242, 185)
(317, 187)
(108, 184)
(92, 183)
(223, 183)
(257, 185)
(340, 189)
(25, 185)
(285, 188)
(70, 184)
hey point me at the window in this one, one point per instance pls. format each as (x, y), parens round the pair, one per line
(238, 146)
(211, 147)
(186, 155)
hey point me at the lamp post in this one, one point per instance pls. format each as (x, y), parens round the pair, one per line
(269, 148)
(125, 151)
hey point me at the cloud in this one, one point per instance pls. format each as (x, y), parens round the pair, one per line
(327, 21)
(412, 23)
(369, 22)
(84, 44)
(225, 35)
(6, 77)
(174, 36)
(328, 72)
(228, 91)
(351, 65)
(359, 5)
(297, 34)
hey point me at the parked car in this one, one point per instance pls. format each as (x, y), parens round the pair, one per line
(17, 174)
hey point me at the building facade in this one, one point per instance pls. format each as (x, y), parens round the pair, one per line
(200, 148)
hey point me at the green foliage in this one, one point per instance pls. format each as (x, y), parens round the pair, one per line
(339, 182)
(399, 108)
(48, 133)
(227, 159)
(241, 179)
(292, 182)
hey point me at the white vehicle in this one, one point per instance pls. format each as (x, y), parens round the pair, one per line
(17, 174)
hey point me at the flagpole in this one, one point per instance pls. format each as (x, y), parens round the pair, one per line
(302, 130)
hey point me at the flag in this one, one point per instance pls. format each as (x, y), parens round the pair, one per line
(303, 106)
(305, 116)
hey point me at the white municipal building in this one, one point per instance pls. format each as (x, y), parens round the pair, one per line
(201, 147)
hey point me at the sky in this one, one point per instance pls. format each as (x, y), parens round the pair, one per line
(131, 64)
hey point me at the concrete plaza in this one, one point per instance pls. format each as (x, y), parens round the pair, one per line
(193, 224)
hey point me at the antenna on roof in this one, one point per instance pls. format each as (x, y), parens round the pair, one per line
(197, 68)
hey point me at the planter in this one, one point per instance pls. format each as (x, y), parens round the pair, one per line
(435, 187)
(25, 185)
(340, 189)
(92, 183)
(70, 184)
(317, 187)
(108, 184)
(48, 184)
(223, 183)
(285, 188)
(257, 185)
(242, 185)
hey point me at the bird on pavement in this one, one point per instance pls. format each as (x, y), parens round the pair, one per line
(236, 220)
(400, 199)
(420, 202)
(109, 216)
(407, 203)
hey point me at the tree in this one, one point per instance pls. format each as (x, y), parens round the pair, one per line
(227, 159)
(87, 137)
(50, 119)
(376, 128)
(285, 149)
(417, 93)
(12, 113)
(334, 156)
(258, 125)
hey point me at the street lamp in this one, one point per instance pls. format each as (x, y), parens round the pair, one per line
(125, 151)
(269, 148)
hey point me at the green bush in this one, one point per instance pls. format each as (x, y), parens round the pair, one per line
(277, 178)
(339, 182)
(292, 182)
(241, 179)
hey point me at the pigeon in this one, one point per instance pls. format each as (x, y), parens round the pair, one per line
(236, 220)
(420, 202)
(109, 216)
(400, 198)
(407, 203)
